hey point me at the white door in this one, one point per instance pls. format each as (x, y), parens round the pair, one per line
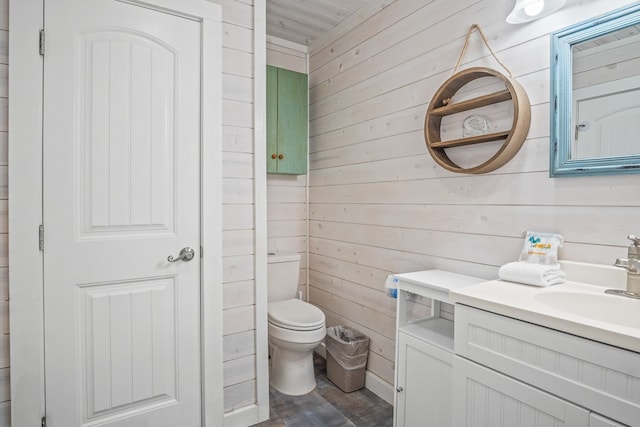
(121, 194)
(607, 120)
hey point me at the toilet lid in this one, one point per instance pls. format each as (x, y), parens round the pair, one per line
(295, 314)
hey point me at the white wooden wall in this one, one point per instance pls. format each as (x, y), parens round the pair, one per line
(287, 194)
(238, 205)
(5, 395)
(379, 204)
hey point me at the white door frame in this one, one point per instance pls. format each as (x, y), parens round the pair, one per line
(25, 214)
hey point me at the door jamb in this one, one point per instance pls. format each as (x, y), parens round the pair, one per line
(25, 215)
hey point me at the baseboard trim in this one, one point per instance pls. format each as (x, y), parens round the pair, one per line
(379, 387)
(372, 382)
(245, 416)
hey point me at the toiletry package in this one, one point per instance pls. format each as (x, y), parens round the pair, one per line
(541, 248)
(391, 286)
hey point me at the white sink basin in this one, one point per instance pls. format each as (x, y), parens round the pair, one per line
(574, 307)
(616, 310)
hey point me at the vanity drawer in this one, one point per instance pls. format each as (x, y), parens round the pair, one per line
(598, 376)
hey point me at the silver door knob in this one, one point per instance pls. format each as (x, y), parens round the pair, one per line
(186, 254)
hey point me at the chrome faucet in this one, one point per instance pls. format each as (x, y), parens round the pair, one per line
(632, 265)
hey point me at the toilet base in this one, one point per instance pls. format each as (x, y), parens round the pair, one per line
(291, 372)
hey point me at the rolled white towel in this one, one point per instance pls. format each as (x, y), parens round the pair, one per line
(532, 274)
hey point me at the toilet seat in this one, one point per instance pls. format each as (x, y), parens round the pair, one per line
(296, 315)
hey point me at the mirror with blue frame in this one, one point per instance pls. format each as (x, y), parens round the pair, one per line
(595, 96)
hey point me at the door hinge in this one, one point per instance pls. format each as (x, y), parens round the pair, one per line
(201, 252)
(43, 422)
(42, 42)
(41, 238)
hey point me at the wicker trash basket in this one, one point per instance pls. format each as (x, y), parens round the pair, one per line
(347, 351)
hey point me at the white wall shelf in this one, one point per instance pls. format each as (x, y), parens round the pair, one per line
(436, 331)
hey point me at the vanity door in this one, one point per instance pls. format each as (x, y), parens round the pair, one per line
(486, 398)
(423, 384)
(596, 420)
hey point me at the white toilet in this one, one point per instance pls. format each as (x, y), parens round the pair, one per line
(295, 328)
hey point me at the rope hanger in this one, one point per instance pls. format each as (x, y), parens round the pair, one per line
(486, 42)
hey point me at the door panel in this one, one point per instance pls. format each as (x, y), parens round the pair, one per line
(424, 374)
(127, 160)
(272, 119)
(129, 344)
(121, 194)
(293, 121)
(606, 119)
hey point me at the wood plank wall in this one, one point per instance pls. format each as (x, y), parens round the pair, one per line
(5, 393)
(238, 205)
(379, 204)
(287, 194)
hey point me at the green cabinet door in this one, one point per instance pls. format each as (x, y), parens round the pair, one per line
(287, 121)
(272, 119)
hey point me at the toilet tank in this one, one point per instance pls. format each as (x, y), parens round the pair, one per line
(283, 270)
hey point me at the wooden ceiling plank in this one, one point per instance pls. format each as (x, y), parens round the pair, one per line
(303, 21)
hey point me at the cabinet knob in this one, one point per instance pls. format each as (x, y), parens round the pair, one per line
(399, 389)
(274, 156)
(281, 156)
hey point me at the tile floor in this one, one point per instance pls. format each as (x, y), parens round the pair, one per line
(328, 406)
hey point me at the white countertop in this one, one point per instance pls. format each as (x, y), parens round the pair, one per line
(434, 284)
(524, 302)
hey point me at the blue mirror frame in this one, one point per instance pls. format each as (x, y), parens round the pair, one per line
(562, 93)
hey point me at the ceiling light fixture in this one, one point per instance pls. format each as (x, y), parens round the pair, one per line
(530, 10)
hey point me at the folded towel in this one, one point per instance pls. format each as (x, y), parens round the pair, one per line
(532, 274)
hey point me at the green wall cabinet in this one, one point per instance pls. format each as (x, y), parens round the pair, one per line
(287, 121)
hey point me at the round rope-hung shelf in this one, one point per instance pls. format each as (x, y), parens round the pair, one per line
(441, 106)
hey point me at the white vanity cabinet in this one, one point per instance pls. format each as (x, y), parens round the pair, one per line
(523, 374)
(485, 398)
(596, 420)
(423, 383)
(424, 349)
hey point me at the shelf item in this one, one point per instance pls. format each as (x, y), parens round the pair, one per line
(441, 106)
